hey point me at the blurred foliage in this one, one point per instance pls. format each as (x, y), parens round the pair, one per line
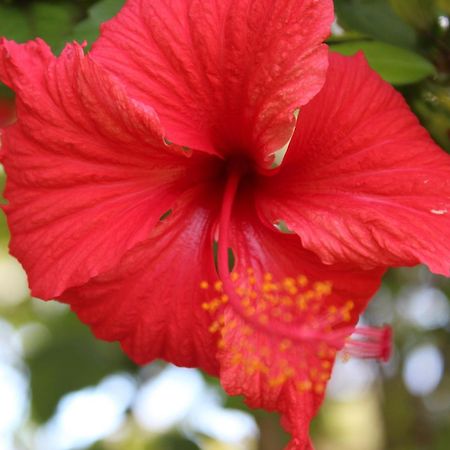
(397, 65)
(70, 350)
(408, 43)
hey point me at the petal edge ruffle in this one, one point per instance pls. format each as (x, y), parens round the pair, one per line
(362, 181)
(89, 173)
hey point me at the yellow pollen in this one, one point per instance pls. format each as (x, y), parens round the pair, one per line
(268, 277)
(236, 359)
(304, 386)
(292, 302)
(326, 364)
(319, 388)
(349, 305)
(240, 291)
(215, 327)
(332, 309)
(264, 319)
(323, 287)
(285, 345)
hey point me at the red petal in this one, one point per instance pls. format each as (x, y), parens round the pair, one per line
(362, 181)
(88, 171)
(222, 75)
(151, 302)
(281, 284)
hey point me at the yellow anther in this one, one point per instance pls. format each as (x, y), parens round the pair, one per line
(277, 381)
(289, 372)
(206, 306)
(204, 285)
(332, 309)
(221, 344)
(250, 271)
(271, 298)
(324, 376)
(214, 328)
(285, 344)
(269, 287)
(268, 277)
(263, 319)
(326, 364)
(214, 304)
(346, 316)
(236, 359)
(322, 353)
(304, 386)
(302, 280)
(287, 301)
(319, 388)
(289, 282)
(234, 276)
(301, 302)
(323, 287)
(349, 305)
(250, 311)
(224, 298)
(218, 286)
(240, 291)
(251, 281)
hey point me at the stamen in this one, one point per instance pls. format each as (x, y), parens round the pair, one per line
(283, 328)
(370, 342)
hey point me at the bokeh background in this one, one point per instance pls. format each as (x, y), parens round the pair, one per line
(61, 389)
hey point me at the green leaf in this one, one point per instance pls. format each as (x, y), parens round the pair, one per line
(5, 92)
(431, 102)
(418, 13)
(396, 65)
(88, 29)
(52, 21)
(376, 19)
(14, 24)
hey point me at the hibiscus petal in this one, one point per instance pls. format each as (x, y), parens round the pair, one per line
(222, 75)
(362, 181)
(283, 285)
(88, 171)
(151, 302)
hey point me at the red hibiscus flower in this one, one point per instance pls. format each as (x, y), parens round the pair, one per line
(126, 166)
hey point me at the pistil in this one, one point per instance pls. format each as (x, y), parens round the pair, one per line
(288, 309)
